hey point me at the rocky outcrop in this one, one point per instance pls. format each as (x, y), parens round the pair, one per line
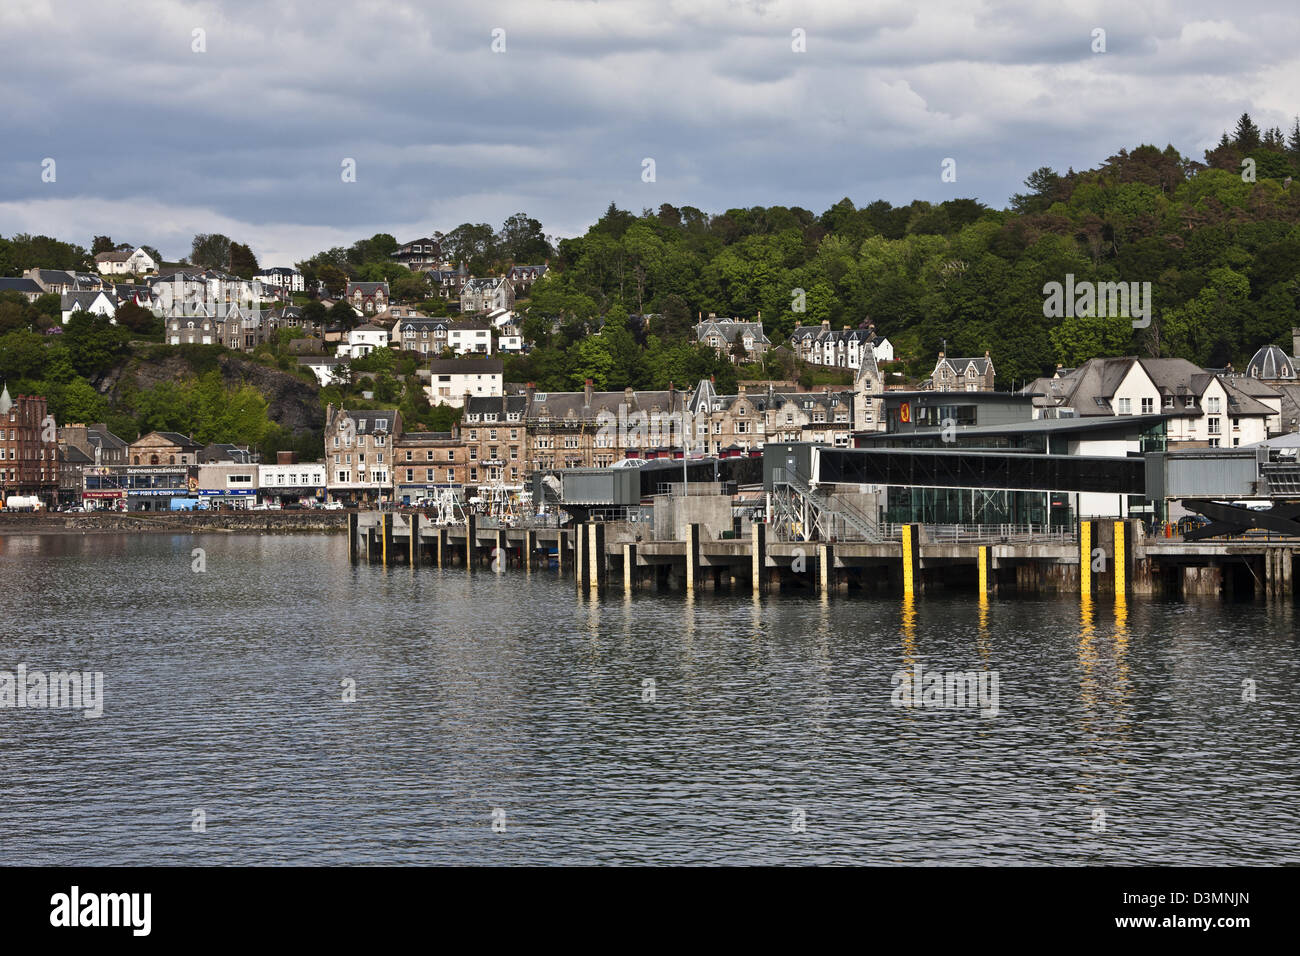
(292, 402)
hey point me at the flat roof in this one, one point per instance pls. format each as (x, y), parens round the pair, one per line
(965, 396)
(1037, 425)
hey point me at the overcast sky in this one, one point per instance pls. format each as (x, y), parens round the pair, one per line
(153, 142)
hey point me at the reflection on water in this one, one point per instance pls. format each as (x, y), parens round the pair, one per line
(1121, 736)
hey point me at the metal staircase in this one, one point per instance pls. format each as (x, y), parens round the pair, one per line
(799, 509)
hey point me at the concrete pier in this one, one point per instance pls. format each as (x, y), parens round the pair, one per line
(1103, 557)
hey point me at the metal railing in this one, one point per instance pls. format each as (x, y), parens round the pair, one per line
(838, 519)
(999, 533)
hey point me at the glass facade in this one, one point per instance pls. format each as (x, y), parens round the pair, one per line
(972, 506)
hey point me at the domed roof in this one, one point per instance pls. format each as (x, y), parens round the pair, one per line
(1271, 362)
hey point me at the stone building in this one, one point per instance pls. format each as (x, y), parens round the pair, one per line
(723, 336)
(496, 438)
(29, 448)
(424, 462)
(359, 453)
(962, 374)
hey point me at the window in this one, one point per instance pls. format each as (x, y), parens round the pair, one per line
(1236, 425)
(428, 474)
(410, 474)
(1213, 425)
(1169, 401)
(1213, 408)
(1148, 406)
(1190, 402)
(451, 474)
(1125, 407)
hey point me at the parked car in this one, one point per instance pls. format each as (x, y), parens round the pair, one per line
(333, 506)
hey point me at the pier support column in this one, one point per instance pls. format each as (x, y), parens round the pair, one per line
(692, 554)
(579, 553)
(414, 540)
(1121, 557)
(629, 567)
(985, 570)
(440, 545)
(562, 558)
(353, 532)
(471, 538)
(825, 567)
(385, 535)
(530, 550)
(500, 552)
(1085, 557)
(597, 559)
(911, 559)
(758, 555)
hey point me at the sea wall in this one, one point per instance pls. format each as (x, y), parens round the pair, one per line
(256, 522)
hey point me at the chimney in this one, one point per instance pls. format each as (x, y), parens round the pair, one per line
(826, 324)
(528, 390)
(846, 328)
(628, 395)
(286, 458)
(586, 392)
(465, 400)
(742, 388)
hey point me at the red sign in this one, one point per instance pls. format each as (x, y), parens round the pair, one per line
(905, 412)
(103, 494)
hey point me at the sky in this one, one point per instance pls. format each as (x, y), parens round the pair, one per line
(166, 119)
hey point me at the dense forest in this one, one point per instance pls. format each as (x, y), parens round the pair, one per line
(1218, 240)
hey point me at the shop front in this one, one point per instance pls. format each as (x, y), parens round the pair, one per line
(228, 499)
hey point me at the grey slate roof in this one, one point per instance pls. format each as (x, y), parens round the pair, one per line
(467, 366)
(25, 286)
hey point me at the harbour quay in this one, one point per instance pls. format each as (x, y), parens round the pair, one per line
(804, 518)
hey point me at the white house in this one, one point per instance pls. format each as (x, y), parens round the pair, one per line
(122, 262)
(281, 483)
(1200, 409)
(97, 302)
(326, 368)
(451, 379)
(467, 338)
(363, 340)
(281, 277)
